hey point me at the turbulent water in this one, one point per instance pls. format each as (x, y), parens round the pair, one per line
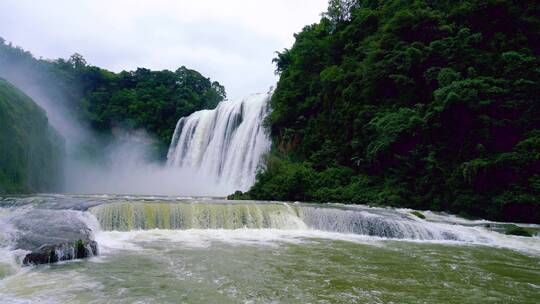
(225, 144)
(185, 250)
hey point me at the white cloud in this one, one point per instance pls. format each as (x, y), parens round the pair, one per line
(230, 41)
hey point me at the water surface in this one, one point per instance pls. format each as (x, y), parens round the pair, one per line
(286, 261)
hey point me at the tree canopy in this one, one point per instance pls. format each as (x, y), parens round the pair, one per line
(140, 99)
(417, 103)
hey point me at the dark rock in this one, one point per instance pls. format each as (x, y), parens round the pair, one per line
(53, 235)
(61, 252)
(517, 230)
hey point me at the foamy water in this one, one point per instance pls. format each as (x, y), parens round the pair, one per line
(155, 249)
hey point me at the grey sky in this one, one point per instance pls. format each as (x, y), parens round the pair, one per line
(231, 41)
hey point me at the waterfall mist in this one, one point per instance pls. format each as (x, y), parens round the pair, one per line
(219, 157)
(126, 166)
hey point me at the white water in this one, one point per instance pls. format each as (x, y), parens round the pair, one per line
(225, 145)
(119, 221)
(158, 249)
(293, 221)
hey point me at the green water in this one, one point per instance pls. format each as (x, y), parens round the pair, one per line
(270, 266)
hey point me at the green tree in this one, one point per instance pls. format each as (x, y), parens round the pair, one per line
(418, 103)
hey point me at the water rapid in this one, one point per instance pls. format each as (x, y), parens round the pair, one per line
(197, 250)
(383, 223)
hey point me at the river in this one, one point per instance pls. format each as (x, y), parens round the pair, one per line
(164, 249)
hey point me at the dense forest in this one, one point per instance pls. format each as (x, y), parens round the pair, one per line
(417, 103)
(30, 149)
(145, 99)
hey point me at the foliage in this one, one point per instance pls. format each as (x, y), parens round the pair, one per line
(417, 103)
(151, 100)
(30, 150)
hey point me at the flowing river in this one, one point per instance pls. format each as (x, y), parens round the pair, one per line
(189, 250)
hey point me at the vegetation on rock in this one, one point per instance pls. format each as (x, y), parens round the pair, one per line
(416, 103)
(516, 230)
(418, 214)
(30, 149)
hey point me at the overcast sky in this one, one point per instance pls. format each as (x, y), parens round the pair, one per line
(231, 41)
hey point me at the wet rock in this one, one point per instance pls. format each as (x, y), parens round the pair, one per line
(53, 235)
(61, 252)
(418, 214)
(511, 229)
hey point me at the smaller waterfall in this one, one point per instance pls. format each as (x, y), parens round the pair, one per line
(144, 216)
(126, 216)
(370, 223)
(224, 145)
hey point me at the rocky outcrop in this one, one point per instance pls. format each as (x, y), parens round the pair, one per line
(53, 235)
(61, 252)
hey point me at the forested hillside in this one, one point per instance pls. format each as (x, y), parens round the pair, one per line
(30, 150)
(150, 100)
(424, 104)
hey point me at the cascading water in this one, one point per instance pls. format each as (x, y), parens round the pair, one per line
(377, 222)
(168, 249)
(224, 145)
(141, 216)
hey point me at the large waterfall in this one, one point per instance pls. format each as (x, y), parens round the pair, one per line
(224, 145)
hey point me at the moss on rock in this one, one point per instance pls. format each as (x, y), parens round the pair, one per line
(418, 214)
(517, 230)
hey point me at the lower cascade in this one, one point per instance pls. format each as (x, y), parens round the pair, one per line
(182, 216)
(53, 228)
(144, 216)
(224, 145)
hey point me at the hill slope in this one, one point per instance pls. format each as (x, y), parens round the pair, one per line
(423, 104)
(30, 150)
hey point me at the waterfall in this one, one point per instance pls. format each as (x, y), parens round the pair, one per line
(370, 223)
(127, 216)
(225, 145)
(144, 216)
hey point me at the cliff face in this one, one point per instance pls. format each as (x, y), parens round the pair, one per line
(30, 149)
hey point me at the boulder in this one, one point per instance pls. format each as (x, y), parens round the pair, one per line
(53, 235)
(61, 252)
